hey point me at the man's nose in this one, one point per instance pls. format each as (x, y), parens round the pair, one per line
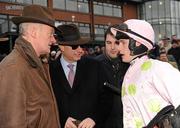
(53, 40)
(112, 46)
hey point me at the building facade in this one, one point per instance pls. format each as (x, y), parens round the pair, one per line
(164, 15)
(92, 16)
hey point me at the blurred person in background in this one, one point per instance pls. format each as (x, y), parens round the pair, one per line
(167, 58)
(173, 37)
(115, 70)
(165, 42)
(175, 51)
(97, 50)
(91, 52)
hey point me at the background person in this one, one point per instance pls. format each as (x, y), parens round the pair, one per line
(168, 58)
(175, 51)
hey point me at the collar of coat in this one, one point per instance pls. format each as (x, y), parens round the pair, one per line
(27, 51)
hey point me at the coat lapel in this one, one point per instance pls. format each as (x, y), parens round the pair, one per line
(78, 76)
(61, 77)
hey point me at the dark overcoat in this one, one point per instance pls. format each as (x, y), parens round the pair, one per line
(87, 98)
(115, 70)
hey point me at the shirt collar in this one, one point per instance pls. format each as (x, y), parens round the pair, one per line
(65, 63)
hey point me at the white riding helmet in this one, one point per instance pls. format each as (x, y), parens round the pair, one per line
(139, 30)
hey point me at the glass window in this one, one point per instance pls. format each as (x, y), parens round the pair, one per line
(155, 9)
(168, 30)
(156, 29)
(161, 9)
(3, 16)
(12, 26)
(98, 8)
(24, 1)
(107, 9)
(7, 0)
(3, 24)
(57, 23)
(84, 29)
(59, 4)
(148, 8)
(117, 11)
(168, 20)
(142, 12)
(6, 24)
(162, 29)
(99, 32)
(83, 7)
(173, 13)
(173, 21)
(71, 5)
(176, 11)
(178, 31)
(40, 2)
(174, 28)
(167, 8)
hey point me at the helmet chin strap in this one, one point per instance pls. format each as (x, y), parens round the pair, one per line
(136, 50)
(139, 56)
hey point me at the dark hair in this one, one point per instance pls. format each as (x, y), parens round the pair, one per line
(108, 31)
(174, 41)
(117, 26)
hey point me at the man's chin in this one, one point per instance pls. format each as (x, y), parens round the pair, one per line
(78, 58)
(113, 55)
(125, 60)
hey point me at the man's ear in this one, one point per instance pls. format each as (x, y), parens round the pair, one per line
(61, 47)
(34, 32)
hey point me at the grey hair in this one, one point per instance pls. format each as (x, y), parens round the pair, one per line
(23, 28)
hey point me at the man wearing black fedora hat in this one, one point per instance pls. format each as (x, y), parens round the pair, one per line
(26, 95)
(82, 100)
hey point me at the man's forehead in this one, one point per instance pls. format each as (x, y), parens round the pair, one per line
(124, 40)
(109, 36)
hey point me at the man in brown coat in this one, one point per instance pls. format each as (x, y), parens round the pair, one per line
(26, 96)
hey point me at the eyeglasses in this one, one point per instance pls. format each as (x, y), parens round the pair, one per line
(74, 47)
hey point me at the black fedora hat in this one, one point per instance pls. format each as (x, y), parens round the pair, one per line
(35, 14)
(70, 35)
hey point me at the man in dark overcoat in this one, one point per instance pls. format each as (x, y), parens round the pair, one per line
(115, 70)
(85, 102)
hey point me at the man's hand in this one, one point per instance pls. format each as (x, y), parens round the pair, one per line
(69, 123)
(87, 123)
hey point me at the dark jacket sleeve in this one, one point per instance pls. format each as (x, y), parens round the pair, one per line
(105, 98)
